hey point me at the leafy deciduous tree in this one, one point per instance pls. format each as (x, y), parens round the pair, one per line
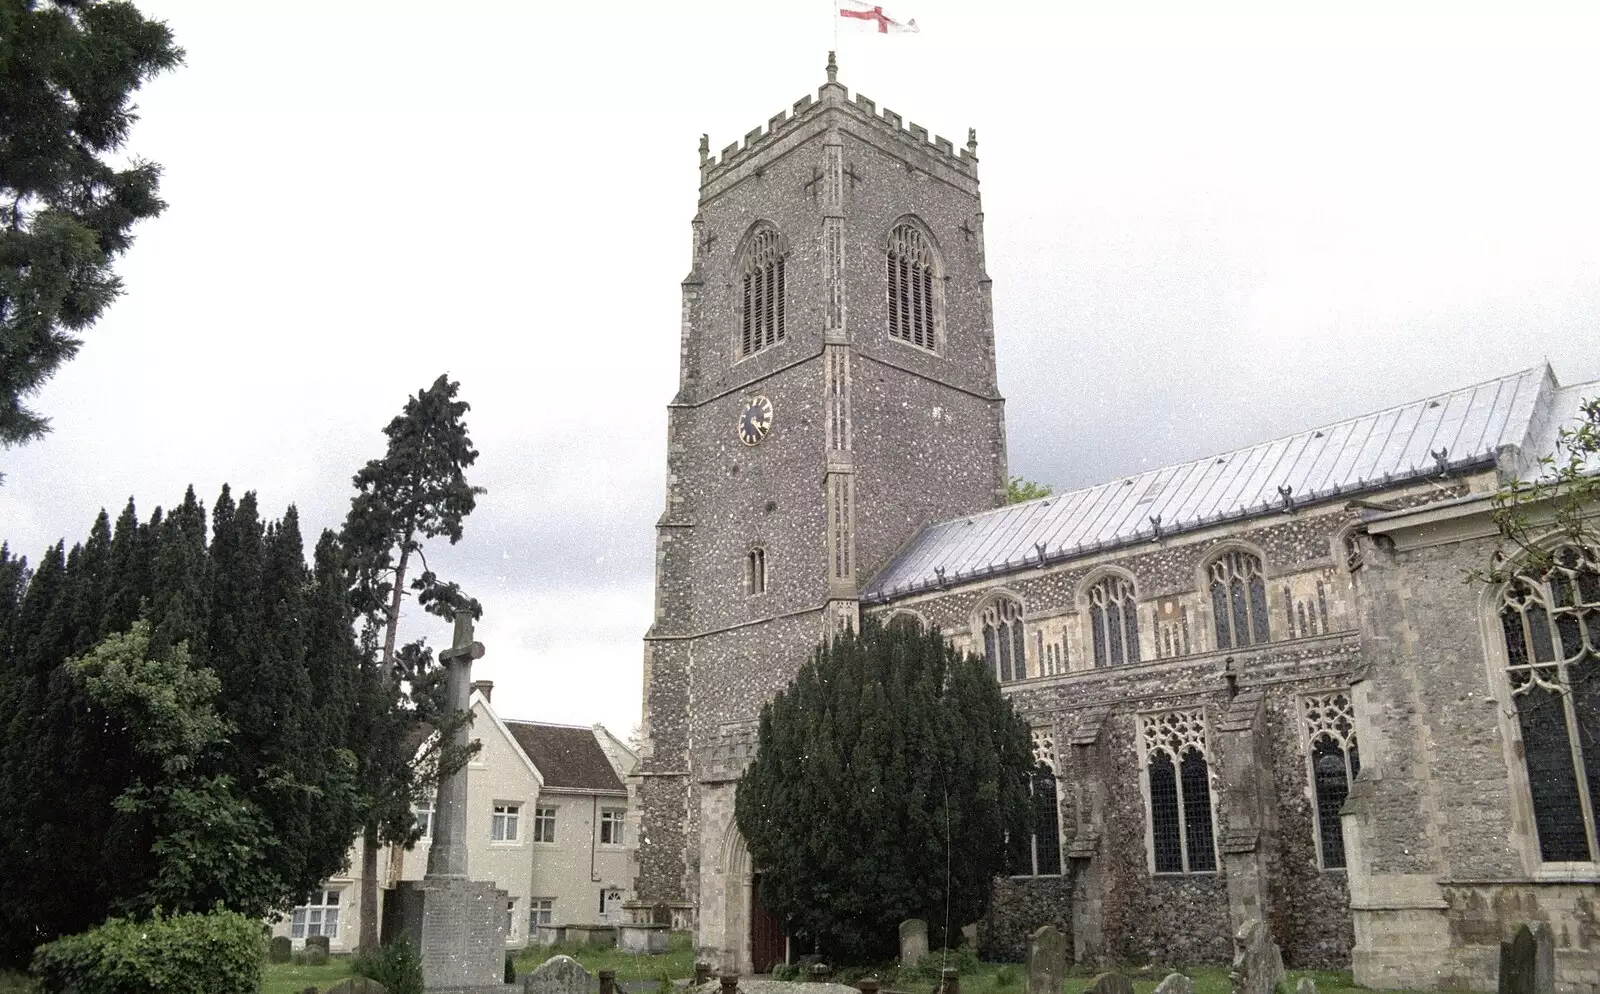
(1019, 490)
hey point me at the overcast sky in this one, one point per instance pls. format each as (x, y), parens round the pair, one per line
(1204, 230)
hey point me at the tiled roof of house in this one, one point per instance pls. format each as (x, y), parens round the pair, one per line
(1455, 430)
(567, 756)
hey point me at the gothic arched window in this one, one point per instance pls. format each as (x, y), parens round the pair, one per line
(1046, 849)
(1335, 761)
(1181, 835)
(912, 286)
(1003, 643)
(1238, 600)
(1551, 621)
(762, 293)
(755, 571)
(1114, 621)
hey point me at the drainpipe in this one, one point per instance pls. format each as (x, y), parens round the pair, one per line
(594, 841)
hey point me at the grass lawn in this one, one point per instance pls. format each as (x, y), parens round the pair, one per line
(286, 978)
(1011, 978)
(677, 964)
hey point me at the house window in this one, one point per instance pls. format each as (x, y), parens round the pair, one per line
(1004, 646)
(1238, 600)
(912, 286)
(761, 309)
(1335, 761)
(319, 916)
(611, 820)
(1179, 782)
(544, 824)
(504, 826)
(422, 811)
(1044, 855)
(1114, 621)
(755, 571)
(541, 911)
(1551, 622)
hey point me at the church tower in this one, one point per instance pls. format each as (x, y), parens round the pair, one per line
(836, 393)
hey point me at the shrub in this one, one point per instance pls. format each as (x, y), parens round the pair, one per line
(216, 953)
(396, 967)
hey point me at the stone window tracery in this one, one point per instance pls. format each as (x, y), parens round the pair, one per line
(761, 310)
(1238, 600)
(1551, 623)
(913, 271)
(1004, 645)
(755, 571)
(1044, 855)
(1335, 761)
(1182, 839)
(1114, 621)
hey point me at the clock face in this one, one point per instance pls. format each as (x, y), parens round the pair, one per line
(755, 421)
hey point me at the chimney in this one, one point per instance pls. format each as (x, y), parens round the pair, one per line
(484, 687)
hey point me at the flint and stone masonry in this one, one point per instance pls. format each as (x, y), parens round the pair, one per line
(1298, 637)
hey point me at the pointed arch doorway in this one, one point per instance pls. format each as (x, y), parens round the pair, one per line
(768, 947)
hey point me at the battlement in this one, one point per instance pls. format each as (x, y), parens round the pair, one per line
(711, 167)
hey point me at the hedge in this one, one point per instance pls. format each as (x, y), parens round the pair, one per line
(216, 953)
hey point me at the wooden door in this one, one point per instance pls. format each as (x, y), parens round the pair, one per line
(766, 933)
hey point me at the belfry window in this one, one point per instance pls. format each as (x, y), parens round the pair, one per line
(1179, 782)
(1238, 600)
(762, 294)
(1335, 761)
(1114, 621)
(1551, 622)
(755, 571)
(1003, 643)
(912, 285)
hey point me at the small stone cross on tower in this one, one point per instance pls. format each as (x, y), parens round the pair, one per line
(447, 857)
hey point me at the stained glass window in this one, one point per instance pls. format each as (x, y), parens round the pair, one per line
(1004, 644)
(1182, 836)
(1114, 621)
(1238, 600)
(1330, 729)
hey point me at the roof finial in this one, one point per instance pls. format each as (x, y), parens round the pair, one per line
(705, 148)
(972, 140)
(833, 68)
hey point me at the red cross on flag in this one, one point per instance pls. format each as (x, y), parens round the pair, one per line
(861, 14)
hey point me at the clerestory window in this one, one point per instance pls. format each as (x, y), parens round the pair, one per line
(913, 286)
(1238, 600)
(1114, 621)
(1178, 779)
(1551, 622)
(1004, 645)
(762, 294)
(1335, 761)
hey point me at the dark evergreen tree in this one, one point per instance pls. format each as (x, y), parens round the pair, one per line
(416, 492)
(68, 70)
(888, 777)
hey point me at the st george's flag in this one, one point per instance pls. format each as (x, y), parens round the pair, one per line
(860, 14)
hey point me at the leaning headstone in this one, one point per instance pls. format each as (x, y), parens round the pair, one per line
(1047, 961)
(316, 950)
(1306, 986)
(1257, 964)
(913, 941)
(280, 950)
(1177, 983)
(1109, 983)
(1528, 961)
(358, 985)
(557, 975)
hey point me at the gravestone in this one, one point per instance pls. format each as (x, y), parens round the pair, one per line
(316, 950)
(913, 941)
(281, 949)
(1047, 961)
(1109, 983)
(1176, 983)
(457, 924)
(1528, 961)
(1257, 964)
(1306, 986)
(557, 975)
(358, 985)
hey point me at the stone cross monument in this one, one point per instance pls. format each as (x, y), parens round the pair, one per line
(457, 924)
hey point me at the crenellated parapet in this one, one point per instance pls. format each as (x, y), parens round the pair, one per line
(911, 137)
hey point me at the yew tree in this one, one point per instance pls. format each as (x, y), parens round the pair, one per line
(888, 776)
